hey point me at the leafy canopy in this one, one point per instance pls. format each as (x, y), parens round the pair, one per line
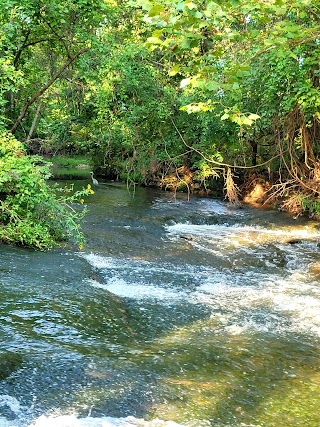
(214, 45)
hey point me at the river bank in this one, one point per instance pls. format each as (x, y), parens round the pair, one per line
(249, 188)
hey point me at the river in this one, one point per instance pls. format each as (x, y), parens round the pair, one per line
(177, 313)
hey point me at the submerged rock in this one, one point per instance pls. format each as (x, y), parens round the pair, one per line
(9, 362)
(314, 269)
(186, 237)
(294, 241)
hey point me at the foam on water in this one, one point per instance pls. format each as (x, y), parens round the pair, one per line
(238, 235)
(74, 421)
(14, 407)
(138, 291)
(108, 264)
(99, 261)
(11, 402)
(207, 207)
(248, 301)
(281, 305)
(274, 300)
(141, 279)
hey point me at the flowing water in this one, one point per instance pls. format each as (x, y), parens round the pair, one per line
(177, 313)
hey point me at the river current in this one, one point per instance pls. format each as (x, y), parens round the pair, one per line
(177, 313)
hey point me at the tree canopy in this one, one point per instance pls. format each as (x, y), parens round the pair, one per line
(253, 63)
(178, 94)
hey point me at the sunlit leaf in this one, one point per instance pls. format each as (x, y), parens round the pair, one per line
(154, 40)
(254, 116)
(174, 70)
(247, 121)
(190, 5)
(225, 116)
(156, 10)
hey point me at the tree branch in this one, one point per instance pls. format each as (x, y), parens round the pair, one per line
(42, 90)
(19, 52)
(221, 164)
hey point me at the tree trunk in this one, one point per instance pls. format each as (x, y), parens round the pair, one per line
(254, 154)
(43, 89)
(35, 119)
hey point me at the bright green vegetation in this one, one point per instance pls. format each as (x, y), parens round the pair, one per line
(180, 94)
(66, 167)
(31, 212)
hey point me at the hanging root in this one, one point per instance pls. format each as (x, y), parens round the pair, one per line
(231, 188)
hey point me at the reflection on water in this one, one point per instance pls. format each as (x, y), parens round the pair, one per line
(177, 313)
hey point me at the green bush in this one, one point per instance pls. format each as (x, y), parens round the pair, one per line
(311, 206)
(31, 212)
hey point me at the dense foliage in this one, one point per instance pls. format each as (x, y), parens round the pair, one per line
(31, 213)
(254, 63)
(170, 93)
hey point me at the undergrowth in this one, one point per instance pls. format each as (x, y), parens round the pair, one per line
(32, 213)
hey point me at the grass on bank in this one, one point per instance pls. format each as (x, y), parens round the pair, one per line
(75, 167)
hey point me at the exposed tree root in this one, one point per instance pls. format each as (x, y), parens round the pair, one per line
(180, 179)
(231, 189)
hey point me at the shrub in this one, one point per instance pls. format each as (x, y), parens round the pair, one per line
(31, 212)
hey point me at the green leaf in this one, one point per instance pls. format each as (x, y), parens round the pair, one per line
(213, 86)
(156, 10)
(144, 4)
(190, 5)
(253, 116)
(185, 44)
(174, 70)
